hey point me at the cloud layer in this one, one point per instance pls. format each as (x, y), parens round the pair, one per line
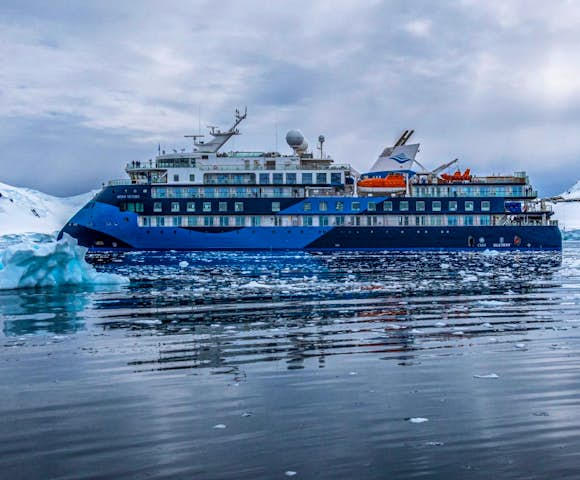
(85, 88)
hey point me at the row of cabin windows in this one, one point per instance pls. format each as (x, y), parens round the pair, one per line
(403, 206)
(207, 207)
(265, 178)
(320, 178)
(312, 220)
(191, 177)
(226, 192)
(322, 206)
(473, 191)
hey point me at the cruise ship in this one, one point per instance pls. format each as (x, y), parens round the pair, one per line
(209, 199)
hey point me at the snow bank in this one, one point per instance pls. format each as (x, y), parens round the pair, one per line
(568, 213)
(23, 210)
(29, 264)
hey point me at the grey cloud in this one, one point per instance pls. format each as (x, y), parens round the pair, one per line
(490, 83)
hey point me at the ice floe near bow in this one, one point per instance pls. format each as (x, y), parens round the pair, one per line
(51, 264)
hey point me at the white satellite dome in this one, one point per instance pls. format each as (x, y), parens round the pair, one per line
(296, 140)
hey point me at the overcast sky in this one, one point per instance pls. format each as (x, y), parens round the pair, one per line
(87, 86)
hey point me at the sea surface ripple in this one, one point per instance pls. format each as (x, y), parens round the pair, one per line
(314, 365)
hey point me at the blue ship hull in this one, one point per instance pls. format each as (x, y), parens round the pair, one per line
(103, 226)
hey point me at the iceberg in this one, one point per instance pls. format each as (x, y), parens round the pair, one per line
(30, 265)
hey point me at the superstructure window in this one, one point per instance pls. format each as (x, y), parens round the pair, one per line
(238, 206)
(307, 221)
(469, 206)
(485, 206)
(372, 206)
(388, 206)
(256, 221)
(192, 177)
(291, 178)
(420, 206)
(335, 179)
(224, 221)
(307, 206)
(240, 221)
(192, 221)
(306, 178)
(355, 206)
(175, 206)
(264, 178)
(436, 206)
(160, 221)
(223, 206)
(207, 206)
(323, 220)
(339, 206)
(157, 207)
(339, 220)
(323, 206)
(275, 206)
(452, 206)
(321, 178)
(176, 221)
(468, 220)
(404, 206)
(277, 178)
(208, 221)
(176, 178)
(191, 206)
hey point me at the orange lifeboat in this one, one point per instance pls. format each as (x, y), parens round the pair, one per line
(393, 182)
(457, 177)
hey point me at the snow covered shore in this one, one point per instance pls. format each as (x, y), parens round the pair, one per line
(23, 210)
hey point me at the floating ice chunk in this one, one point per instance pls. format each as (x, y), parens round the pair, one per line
(486, 325)
(487, 375)
(434, 444)
(417, 332)
(51, 264)
(353, 373)
(458, 332)
(440, 324)
(418, 419)
(183, 264)
(219, 426)
(247, 414)
(289, 473)
(520, 345)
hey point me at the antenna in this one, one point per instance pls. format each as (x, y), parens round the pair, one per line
(276, 133)
(321, 140)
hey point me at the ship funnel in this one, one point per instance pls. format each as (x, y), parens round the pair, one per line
(296, 141)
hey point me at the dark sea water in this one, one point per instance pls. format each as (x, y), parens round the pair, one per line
(271, 365)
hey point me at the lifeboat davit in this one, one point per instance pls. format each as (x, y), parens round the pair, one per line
(394, 182)
(457, 176)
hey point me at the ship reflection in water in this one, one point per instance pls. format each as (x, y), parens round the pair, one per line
(251, 365)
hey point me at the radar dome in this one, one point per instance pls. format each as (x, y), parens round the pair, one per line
(294, 138)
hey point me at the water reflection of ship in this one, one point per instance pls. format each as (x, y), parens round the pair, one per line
(299, 334)
(24, 311)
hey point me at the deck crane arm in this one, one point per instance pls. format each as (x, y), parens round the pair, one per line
(444, 166)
